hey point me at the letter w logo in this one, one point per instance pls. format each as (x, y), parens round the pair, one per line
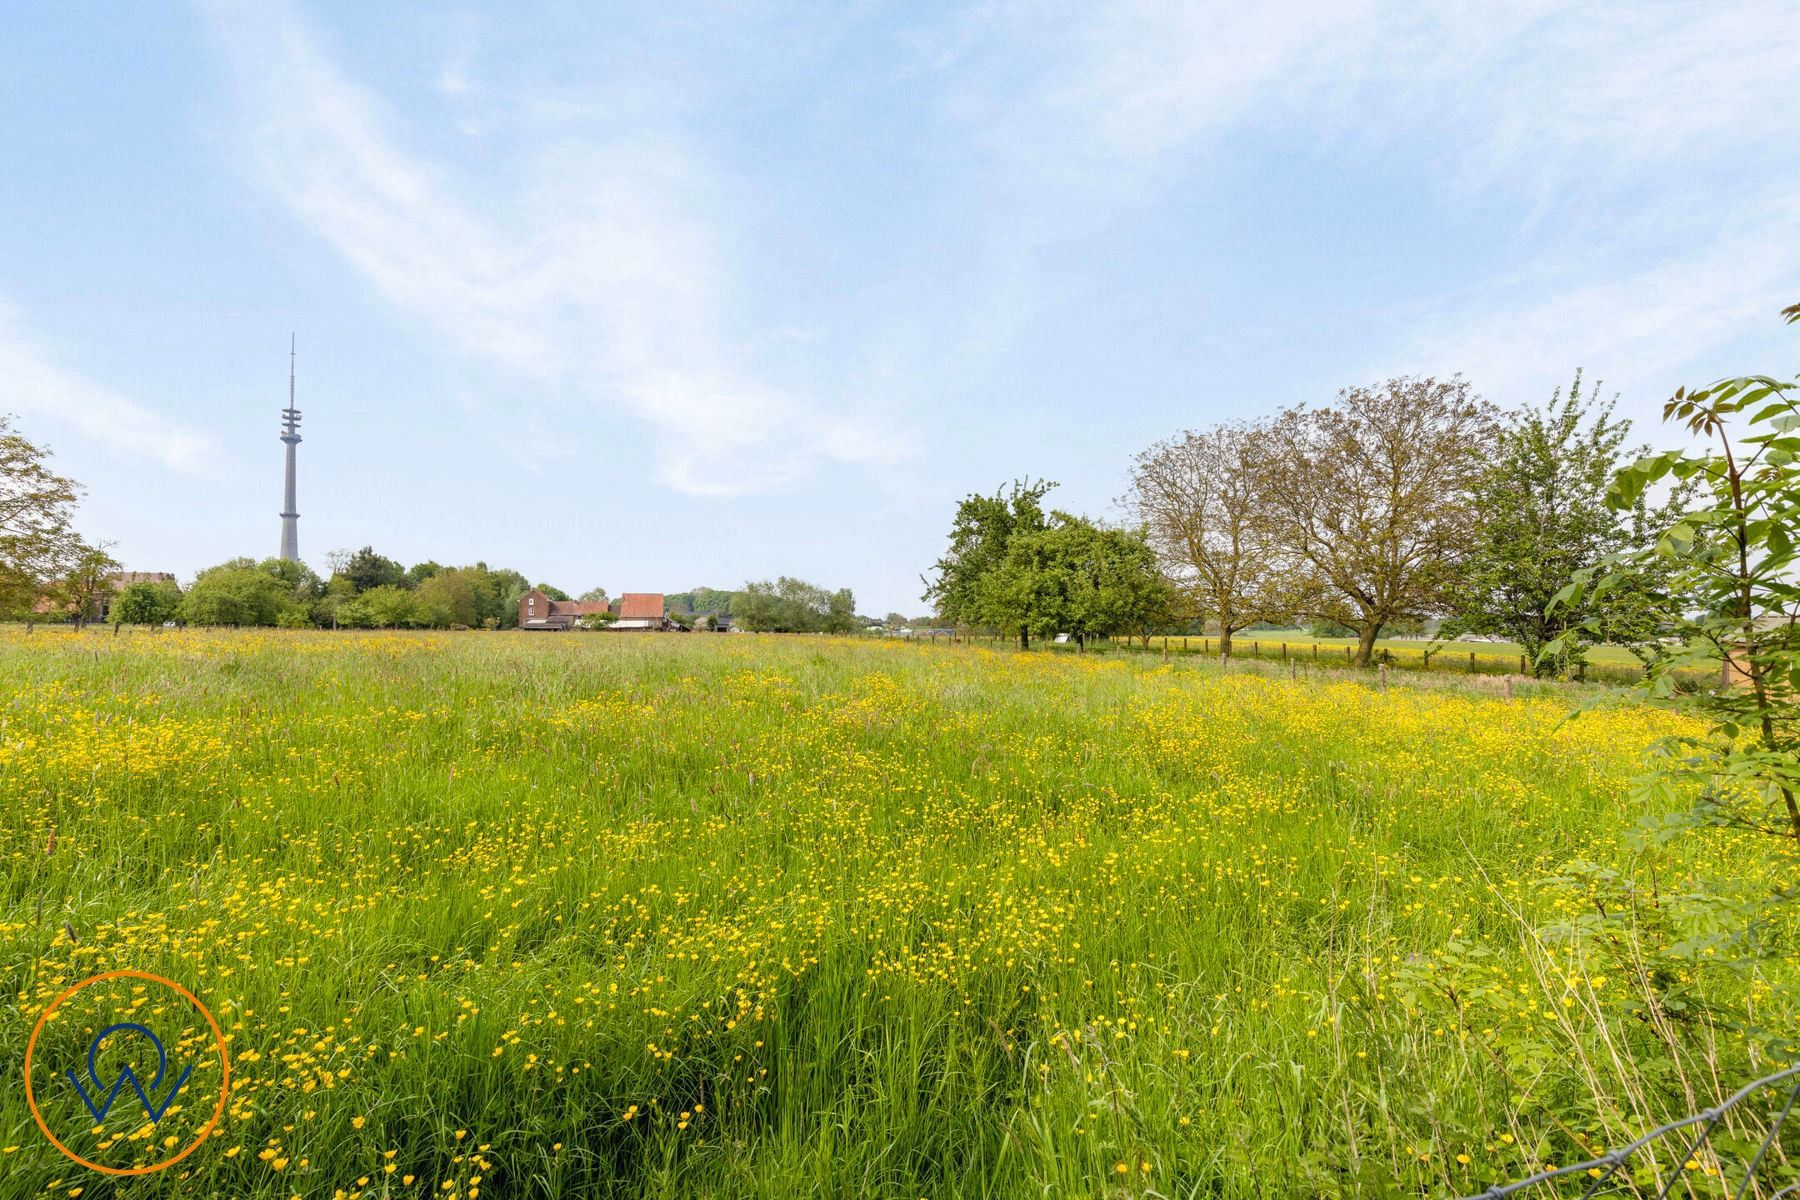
(127, 1075)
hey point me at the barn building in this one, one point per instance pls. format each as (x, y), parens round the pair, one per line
(640, 612)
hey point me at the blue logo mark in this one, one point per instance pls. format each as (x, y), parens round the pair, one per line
(127, 1075)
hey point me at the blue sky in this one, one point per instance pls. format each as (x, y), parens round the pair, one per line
(650, 296)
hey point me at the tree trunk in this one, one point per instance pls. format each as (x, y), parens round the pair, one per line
(1365, 644)
(1024, 637)
(1224, 641)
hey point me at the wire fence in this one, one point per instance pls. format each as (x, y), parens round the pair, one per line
(1454, 658)
(1768, 1172)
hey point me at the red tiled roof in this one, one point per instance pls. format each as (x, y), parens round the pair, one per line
(641, 606)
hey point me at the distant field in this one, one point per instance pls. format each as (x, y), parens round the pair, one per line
(532, 915)
(1412, 647)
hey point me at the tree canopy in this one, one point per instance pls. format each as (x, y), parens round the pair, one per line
(1544, 515)
(1075, 577)
(38, 542)
(981, 537)
(1374, 500)
(789, 605)
(1199, 499)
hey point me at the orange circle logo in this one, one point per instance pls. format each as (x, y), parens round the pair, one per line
(125, 1044)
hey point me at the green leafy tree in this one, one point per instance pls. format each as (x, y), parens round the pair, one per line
(38, 544)
(980, 540)
(1543, 500)
(1732, 597)
(497, 593)
(1372, 500)
(447, 597)
(389, 606)
(596, 595)
(366, 569)
(790, 605)
(419, 572)
(757, 608)
(1075, 577)
(232, 594)
(711, 600)
(89, 583)
(555, 593)
(145, 603)
(840, 612)
(305, 592)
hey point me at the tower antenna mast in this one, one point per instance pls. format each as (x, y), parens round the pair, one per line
(290, 436)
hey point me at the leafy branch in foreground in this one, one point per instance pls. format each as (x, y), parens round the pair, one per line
(1725, 590)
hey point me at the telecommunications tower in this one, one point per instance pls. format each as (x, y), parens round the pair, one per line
(290, 436)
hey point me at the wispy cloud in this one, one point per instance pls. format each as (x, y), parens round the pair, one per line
(1640, 152)
(34, 386)
(1645, 329)
(601, 281)
(1535, 90)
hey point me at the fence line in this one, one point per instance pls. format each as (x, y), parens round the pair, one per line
(1605, 1167)
(1447, 658)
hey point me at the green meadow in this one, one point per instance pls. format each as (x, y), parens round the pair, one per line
(705, 916)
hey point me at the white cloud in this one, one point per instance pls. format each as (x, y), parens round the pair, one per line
(1654, 140)
(1541, 88)
(601, 279)
(1639, 330)
(32, 385)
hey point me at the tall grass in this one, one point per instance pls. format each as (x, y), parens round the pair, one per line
(740, 916)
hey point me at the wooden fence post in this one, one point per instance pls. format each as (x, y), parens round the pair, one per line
(1521, 664)
(1383, 675)
(1471, 662)
(1284, 652)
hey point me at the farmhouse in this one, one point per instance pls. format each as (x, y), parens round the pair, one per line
(635, 612)
(539, 612)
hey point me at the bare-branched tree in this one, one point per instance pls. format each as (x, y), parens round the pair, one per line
(1374, 499)
(1196, 497)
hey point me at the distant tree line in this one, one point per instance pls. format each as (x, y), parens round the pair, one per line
(1413, 501)
(366, 590)
(793, 606)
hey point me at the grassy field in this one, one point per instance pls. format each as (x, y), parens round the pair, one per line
(509, 915)
(1297, 639)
